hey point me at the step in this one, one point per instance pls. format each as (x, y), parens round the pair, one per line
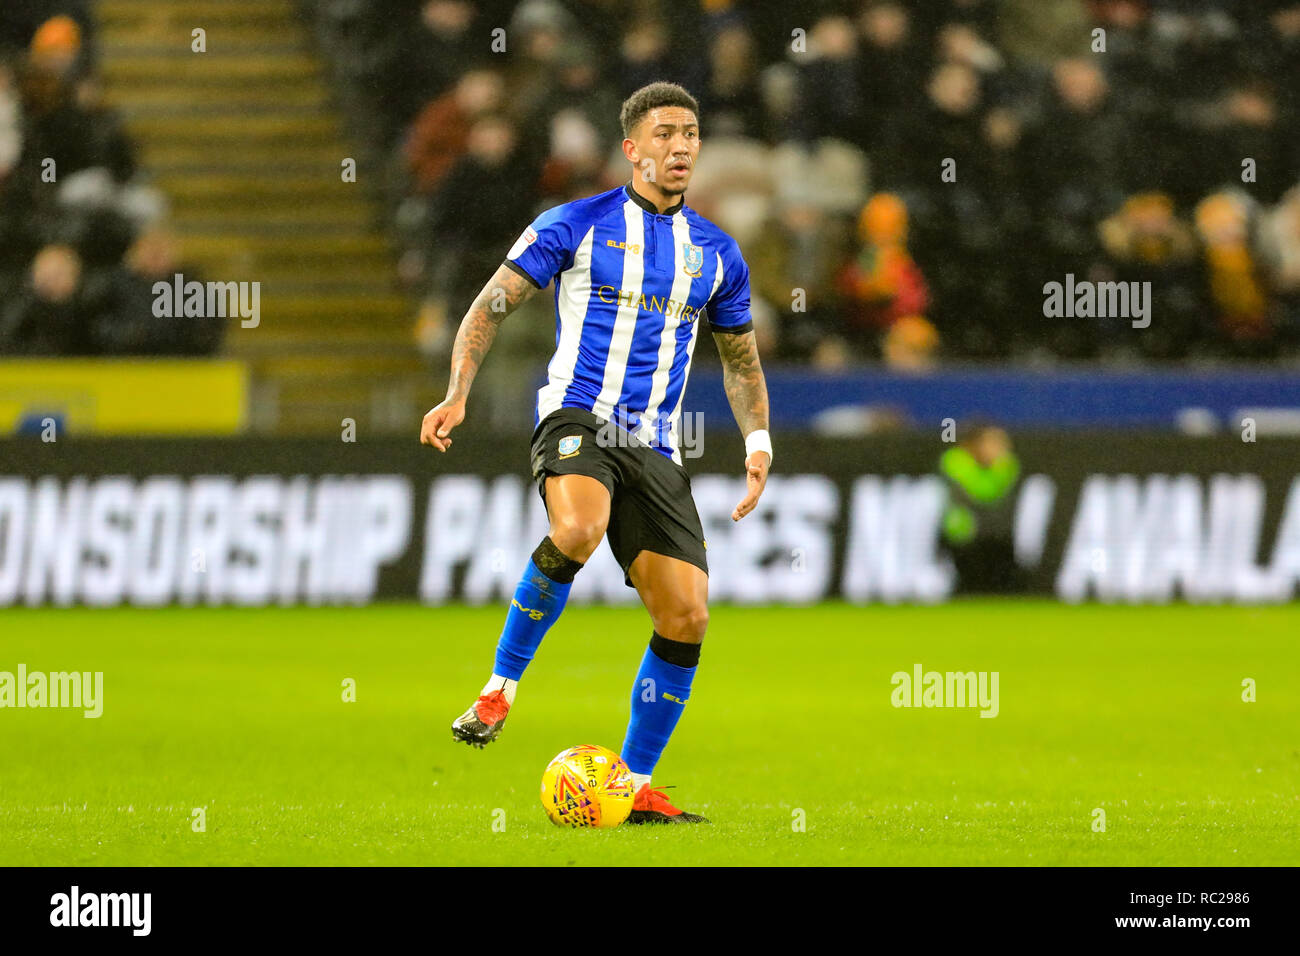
(198, 12)
(282, 282)
(293, 271)
(320, 185)
(306, 99)
(331, 319)
(394, 330)
(282, 171)
(297, 93)
(275, 224)
(286, 248)
(207, 68)
(322, 129)
(272, 157)
(332, 308)
(202, 214)
(389, 325)
(285, 282)
(176, 40)
(273, 338)
(335, 365)
(290, 278)
(166, 35)
(270, 341)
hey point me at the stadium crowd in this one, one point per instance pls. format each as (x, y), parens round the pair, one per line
(903, 178)
(82, 236)
(1166, 149)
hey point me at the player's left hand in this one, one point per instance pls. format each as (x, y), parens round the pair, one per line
(756, 466)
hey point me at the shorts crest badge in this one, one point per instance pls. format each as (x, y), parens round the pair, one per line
(569, 445)
(693, 257)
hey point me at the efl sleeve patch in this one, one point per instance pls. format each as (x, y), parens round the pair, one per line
(543, 249)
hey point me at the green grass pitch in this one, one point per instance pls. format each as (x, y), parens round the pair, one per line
(1137, 711)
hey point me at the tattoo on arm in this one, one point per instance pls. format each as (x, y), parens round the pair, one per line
(742, 378)
(504, 293)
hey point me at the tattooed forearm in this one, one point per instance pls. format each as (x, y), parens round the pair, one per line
(742, 378)
(504, 293)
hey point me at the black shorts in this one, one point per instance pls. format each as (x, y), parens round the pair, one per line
(651, 508)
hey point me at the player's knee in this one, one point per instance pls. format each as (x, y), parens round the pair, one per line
(577, 537)
(686, 624)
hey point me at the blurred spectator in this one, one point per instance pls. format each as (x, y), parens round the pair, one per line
(1241, 124)
(1271, 47)
(1076, 159)
(577, 158)
(732, 97)
(466, 234)
(429, 58)
(1280, 238)
(47, 316)
(881, 284)
(833, 99)
(792, 268)
(21, 20)
(911, 344)
(18, 241)
(577, 89)
(121, 299)
(960, 42)
(642, 53)
(1242, 312)
(892, 68)
(943, 130)
(71, 203)
(546, 40)
(439, 135)
(1145, 241)
(56, 47)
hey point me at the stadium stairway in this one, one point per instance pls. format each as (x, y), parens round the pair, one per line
(247, 145)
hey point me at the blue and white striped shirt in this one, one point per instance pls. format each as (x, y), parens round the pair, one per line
(631, 283)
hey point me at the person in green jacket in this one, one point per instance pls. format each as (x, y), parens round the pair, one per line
(981, 474)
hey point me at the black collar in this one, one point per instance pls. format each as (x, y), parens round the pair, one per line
(648, 206)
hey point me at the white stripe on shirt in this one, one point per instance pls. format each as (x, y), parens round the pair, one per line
(575, 291)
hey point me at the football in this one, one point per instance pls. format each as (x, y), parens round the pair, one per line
(587, 786)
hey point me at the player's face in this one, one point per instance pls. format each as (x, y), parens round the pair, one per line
(667, 145)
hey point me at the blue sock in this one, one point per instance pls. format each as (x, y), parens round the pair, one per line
(537, 604)
(658, 698)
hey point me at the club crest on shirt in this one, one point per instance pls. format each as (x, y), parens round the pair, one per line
(694, 258)
(569, 445)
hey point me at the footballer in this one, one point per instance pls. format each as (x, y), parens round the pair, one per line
(636, 272)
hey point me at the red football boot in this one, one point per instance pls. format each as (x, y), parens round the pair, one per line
(652, 806)
(483, 721)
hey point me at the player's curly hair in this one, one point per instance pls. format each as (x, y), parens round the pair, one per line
(651, 97)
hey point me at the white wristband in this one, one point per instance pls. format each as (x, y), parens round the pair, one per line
(759, 440)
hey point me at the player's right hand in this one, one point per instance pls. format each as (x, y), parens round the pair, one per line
(438, 423)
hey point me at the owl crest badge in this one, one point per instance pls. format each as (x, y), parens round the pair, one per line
(693, 258)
